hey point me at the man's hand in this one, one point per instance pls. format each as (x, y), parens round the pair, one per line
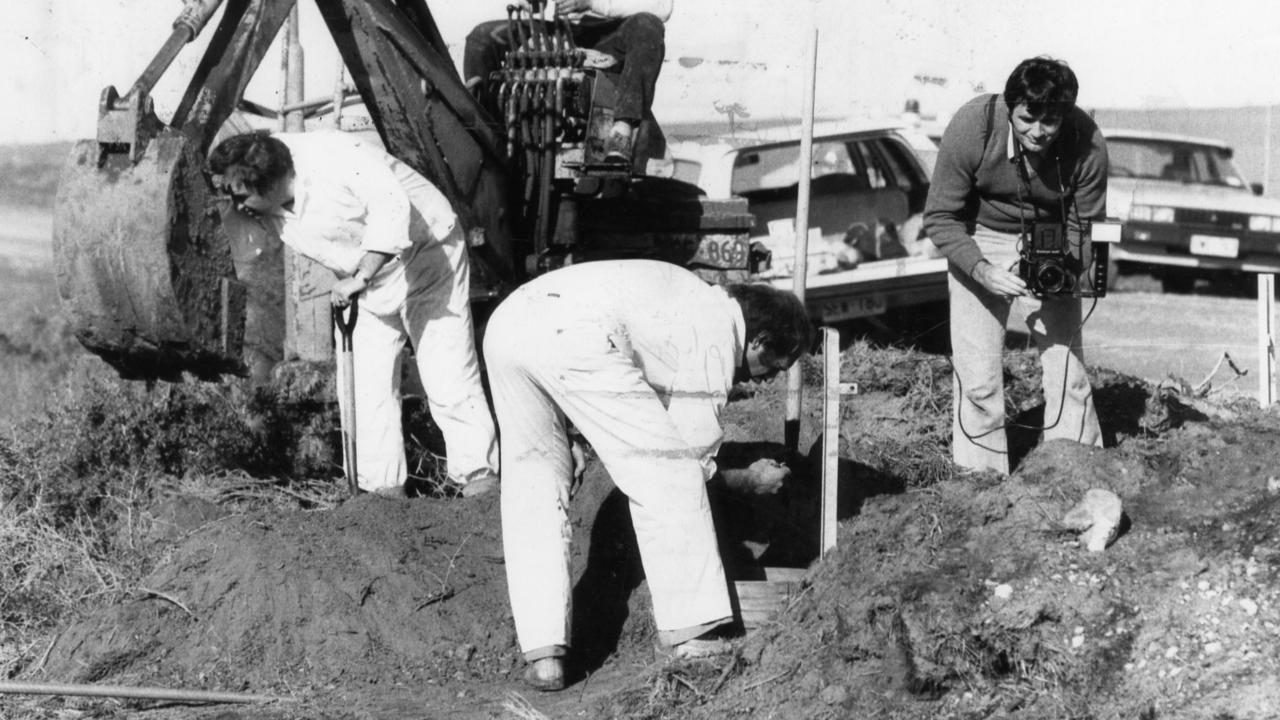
(998, 281)
(347, 288)
(572, 7)
(764, 477)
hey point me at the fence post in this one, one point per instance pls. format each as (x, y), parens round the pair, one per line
(1266, 339)
(830, 436)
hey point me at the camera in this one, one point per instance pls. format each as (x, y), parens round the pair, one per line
(1059, 260)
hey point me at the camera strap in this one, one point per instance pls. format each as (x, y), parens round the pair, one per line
(991, 122)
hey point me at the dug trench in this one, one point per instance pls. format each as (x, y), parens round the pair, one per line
(947, 596)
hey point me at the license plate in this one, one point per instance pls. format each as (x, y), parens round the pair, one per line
(727, 252)
(1214, 245)
(854, 307)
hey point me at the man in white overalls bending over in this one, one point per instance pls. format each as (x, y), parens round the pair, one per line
(393, 240)
(639, 356)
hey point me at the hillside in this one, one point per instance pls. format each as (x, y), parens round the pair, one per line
(29, 173)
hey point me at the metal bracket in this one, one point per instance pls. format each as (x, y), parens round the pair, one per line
(127, 123)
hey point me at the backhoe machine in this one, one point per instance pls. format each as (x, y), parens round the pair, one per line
(162, 276)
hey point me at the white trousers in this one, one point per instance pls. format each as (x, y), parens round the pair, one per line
(545, 367)
(978, 322)
(435, 316)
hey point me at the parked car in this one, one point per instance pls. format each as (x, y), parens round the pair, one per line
(866, 256)
(867, 193)
(1187, 212)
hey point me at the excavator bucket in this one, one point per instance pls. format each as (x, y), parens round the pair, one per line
(142, 254)
(143, 266)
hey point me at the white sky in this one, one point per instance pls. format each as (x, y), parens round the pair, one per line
(59, 54)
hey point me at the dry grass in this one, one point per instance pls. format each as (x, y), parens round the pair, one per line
(675, 688)
(37, 349)
(86, 457)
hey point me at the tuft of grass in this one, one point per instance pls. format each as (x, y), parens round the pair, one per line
(673, 689)
(78, 483)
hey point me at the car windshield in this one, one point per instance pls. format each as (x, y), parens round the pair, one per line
(1172, 160)
(772, 168)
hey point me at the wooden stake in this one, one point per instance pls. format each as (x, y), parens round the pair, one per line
(1266, 339)
(830, 435)
(804, 167)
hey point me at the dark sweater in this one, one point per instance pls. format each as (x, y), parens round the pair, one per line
(977, 184)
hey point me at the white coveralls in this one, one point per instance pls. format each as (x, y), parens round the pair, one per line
(640, 356)
(351, 197)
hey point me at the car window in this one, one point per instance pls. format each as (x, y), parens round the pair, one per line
(903, 173)
(1172, 160)
(876, 172)
(774, 168)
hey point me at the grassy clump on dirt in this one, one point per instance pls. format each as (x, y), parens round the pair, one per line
(101, 481)
(85, 478)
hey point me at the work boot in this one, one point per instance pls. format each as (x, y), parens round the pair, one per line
(712, 643)
(701, 647)
(483, 485)
(545, 674)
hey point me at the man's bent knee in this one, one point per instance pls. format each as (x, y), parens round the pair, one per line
(645, 25)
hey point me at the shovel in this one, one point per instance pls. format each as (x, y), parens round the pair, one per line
(346, 370)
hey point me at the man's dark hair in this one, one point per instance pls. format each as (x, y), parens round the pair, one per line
(1047, 86)
(259, 160)
(778, 318)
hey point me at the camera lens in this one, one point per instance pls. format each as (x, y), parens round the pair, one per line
(1052, 278)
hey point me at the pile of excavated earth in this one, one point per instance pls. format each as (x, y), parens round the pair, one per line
(946, 596)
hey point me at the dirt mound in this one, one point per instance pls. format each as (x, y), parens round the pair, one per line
(376, 608)
(374, 591)
(967, 598)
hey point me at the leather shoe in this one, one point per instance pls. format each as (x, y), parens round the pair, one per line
(702, 648)
(480, 486)
(545, 674)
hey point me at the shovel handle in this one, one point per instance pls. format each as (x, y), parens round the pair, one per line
(346, 324)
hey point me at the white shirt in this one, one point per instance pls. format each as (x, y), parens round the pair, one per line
(685, 335)
(351, 197)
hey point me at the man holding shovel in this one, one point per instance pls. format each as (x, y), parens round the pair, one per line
(394, 241)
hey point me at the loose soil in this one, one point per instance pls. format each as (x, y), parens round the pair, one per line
(947, 596)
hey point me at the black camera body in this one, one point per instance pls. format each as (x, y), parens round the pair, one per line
(1057, 260)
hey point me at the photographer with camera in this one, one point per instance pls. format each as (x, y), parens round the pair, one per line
(1008, 165)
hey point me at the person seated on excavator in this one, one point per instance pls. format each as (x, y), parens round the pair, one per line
(630, 32)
